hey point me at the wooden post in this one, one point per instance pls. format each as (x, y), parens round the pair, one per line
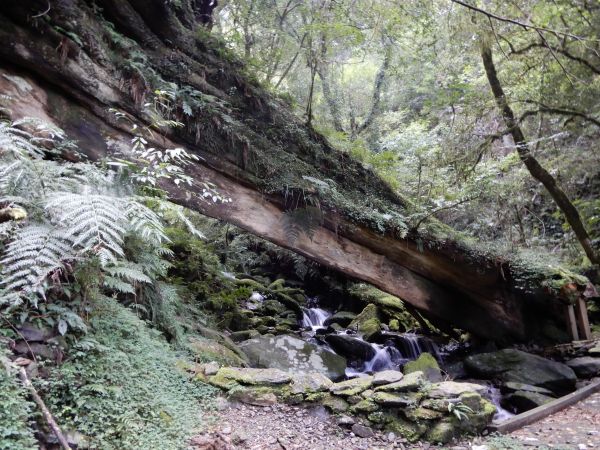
(582, 319)
(571, 323)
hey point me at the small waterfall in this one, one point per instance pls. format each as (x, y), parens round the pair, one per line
(412, 345)
(315, 318)
(493, 394)
(386, 357)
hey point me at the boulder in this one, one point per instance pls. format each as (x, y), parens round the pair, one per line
(304, 383)
(367, 322)
(411, 382)
(515, 365)
(352, 386)
(334, 403)
(258, 377)
(390, 399)
(441, 433)
(365, 406)
(427, 364)
(352, 348)
(522, 401)
(387, 377)
(511, 386)
(362, 431)
(253, 396)
(342, 318)
(292, 354)
(585, 366)
(239, 336)
(594, 351)
(452, 389)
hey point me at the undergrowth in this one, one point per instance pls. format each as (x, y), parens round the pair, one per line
(121, 388)
(15, 411)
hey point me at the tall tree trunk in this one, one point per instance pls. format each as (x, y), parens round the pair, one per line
(536, 170)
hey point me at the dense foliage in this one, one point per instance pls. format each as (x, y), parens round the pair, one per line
(401, 86)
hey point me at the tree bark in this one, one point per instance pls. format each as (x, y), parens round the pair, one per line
(536, 170)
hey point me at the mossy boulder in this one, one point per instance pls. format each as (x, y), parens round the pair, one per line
(208, 350)
(290, 353)
(523, 401)
(261, 396)
(411, 431)
(334, 403)
(367, 323)
(387, 377)
(305, 383)
(239, 336)
(585, 366)
(515, 365)
(425, 363)
(441, 433)
(350, 347)
(352, 386)
(389, 306)
(342, 318)
(250, 376)
(365, 406)
(419, 414)
(394, 325)
(402, 400)
(453, 389)
(411, 382)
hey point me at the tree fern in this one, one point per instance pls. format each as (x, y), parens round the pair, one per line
(92, 222)
(34, 253)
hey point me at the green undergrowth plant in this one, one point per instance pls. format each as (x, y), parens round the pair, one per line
(121, 388)
(16, 432)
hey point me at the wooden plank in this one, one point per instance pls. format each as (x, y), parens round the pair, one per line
(571, 322)
(540, 412)
(582, 319)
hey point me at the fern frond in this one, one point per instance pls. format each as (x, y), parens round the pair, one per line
(34, 253)
(92, 222)
(118, 285)
(128, 271)
(145, 222)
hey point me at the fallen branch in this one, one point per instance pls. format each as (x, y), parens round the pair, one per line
(47, 416)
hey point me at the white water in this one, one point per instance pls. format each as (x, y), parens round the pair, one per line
(315, 318)
(502, 414)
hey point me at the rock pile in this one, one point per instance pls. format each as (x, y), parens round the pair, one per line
(408, 405)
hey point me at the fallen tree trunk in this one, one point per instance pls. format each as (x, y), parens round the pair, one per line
(74, 64)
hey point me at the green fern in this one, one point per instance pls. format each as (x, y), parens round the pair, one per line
(34, 253)
(304, 220)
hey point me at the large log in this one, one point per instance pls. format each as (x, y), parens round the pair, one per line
(66, 68)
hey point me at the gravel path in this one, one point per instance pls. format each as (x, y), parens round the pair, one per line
(283, 427)
(576, 427)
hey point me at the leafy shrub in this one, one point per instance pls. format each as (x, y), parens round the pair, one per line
(121, 388)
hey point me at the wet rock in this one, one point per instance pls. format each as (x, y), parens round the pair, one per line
(411, 382)
(511, 386)
(427, 364)
(387, 377)
(515, 365)
(362, 431)
(292, 354)
(305, 383)
(367, 323)
(523, 401)
(350, 387)
(352, 348)
(452, 389)
(585, 367)
(594, 351)
(342, 318)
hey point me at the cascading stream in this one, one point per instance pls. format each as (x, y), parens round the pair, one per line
(315, 318)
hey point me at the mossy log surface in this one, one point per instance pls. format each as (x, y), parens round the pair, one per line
(70, 65)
